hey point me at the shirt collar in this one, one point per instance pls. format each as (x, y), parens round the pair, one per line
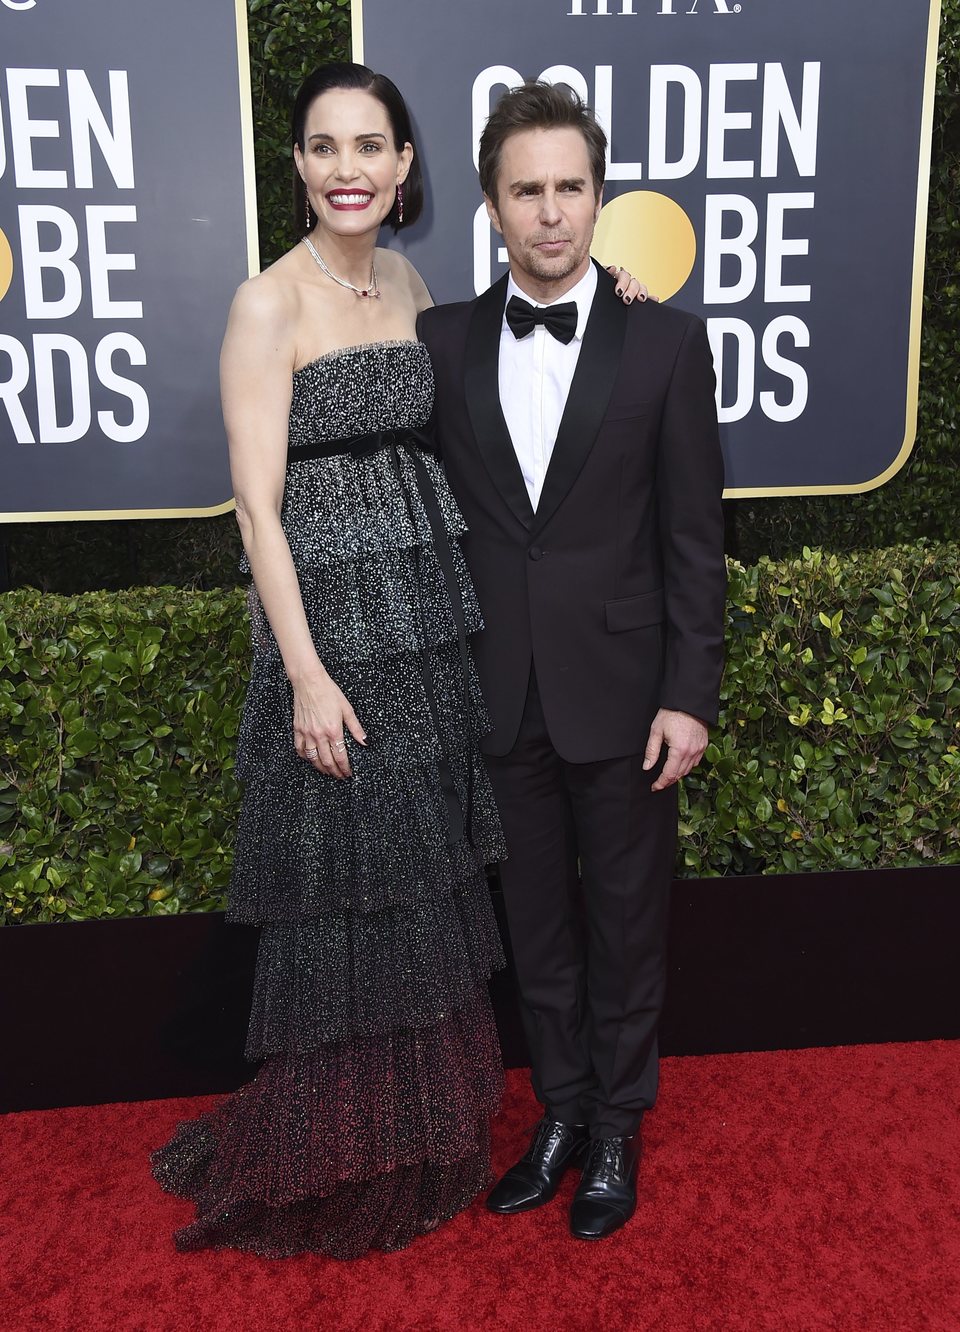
(583, 293)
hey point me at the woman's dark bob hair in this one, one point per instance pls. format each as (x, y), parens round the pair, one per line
(342, 74)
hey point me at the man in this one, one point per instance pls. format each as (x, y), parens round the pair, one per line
(580, 439)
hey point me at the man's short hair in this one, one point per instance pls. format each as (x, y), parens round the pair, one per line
(539, 105)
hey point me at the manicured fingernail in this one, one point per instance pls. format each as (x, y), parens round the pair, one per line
(619, 291)
(629, 299)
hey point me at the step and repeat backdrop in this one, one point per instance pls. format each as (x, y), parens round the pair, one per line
(768, 169)
(127, 220)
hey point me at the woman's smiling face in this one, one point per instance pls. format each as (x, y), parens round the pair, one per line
(350, 164)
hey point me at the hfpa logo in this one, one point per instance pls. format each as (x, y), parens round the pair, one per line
(18, 4)
(595, 8)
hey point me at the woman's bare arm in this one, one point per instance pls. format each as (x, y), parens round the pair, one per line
(256, 385)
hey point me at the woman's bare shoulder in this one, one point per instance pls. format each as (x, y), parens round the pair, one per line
(270, 294)
(265, 310)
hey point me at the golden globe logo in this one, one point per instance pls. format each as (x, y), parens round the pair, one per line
(655, 236)
(18, 4)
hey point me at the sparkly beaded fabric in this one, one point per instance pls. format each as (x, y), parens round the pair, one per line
(367, 1122)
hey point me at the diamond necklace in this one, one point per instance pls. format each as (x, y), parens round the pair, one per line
(372, 290)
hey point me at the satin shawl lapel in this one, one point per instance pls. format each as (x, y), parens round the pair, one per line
(587, 401)
(481, 385)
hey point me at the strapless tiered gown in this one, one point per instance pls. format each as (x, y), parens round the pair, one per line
(367, 1123)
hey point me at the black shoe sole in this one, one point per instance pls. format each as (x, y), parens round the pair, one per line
(519, 1211)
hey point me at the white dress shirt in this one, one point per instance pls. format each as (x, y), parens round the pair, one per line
(535, 375)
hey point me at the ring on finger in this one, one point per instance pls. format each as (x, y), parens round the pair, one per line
(311, 752)
(339, 744)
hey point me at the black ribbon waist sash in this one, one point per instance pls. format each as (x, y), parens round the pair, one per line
(415, 444)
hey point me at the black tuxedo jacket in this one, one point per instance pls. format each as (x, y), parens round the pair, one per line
(615, 586)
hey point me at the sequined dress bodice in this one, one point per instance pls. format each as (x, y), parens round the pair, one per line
(360, 535)
(353, 390)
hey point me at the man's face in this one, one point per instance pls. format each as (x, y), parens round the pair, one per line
(546, 209)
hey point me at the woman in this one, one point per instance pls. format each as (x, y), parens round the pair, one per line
(367, 817)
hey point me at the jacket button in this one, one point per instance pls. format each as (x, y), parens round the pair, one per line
(535, 553)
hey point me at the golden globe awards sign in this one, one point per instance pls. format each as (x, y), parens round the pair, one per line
(126, 222)
(768, 169)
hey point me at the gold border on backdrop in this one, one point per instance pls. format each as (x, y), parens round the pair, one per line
(246, 132)
(253, 267)
(916, 298)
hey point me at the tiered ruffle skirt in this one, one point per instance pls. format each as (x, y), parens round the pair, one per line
(367, 1122)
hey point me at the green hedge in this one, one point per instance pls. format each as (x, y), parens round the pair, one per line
(119, 717)
(838, 744)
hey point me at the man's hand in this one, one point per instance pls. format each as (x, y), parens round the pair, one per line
(685, 738)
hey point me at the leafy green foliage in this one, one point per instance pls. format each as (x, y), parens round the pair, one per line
(118, 716)
(839, 744)
(838, 747)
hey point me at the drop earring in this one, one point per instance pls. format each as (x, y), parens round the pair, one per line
(307, 214)
(400, 205)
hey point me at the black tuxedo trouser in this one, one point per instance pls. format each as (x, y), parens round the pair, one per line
(589, 948)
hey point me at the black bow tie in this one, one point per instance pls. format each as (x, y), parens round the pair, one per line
(560, 320)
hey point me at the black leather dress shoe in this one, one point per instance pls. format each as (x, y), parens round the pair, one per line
(606, 1196)
(536, 1177)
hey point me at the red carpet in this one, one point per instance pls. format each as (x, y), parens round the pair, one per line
(808, 1191)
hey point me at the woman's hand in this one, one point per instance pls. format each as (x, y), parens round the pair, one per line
(320, 713)
(629, 289)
